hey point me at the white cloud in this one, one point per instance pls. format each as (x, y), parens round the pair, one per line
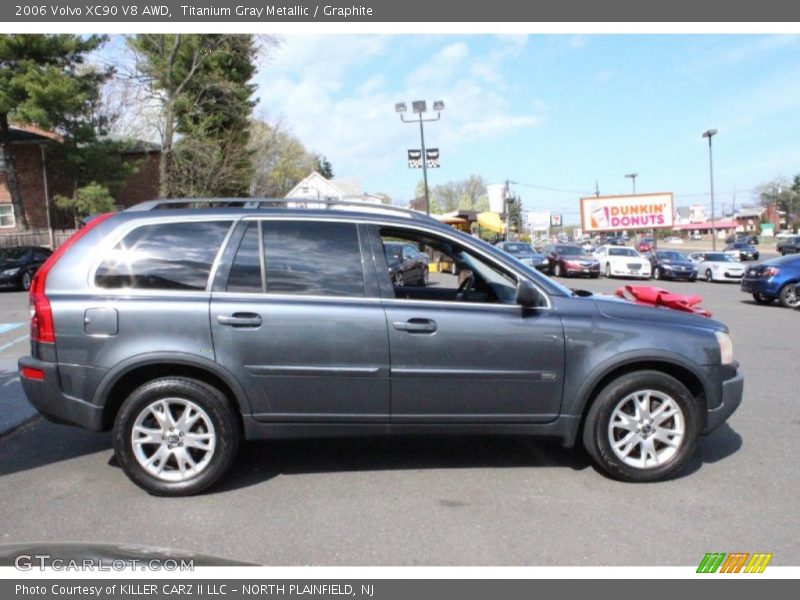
(337, 94)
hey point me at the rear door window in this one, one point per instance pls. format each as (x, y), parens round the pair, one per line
(164, 256)
(305, 258)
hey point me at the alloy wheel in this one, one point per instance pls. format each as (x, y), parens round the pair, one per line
(173, 439)
(646, 429)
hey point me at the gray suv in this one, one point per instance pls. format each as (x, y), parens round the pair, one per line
(186, 327)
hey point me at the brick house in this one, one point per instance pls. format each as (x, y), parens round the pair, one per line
(40, 182)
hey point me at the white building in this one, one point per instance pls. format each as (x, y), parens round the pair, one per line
(316, 187)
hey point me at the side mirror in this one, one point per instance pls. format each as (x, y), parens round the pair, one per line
(527, 295)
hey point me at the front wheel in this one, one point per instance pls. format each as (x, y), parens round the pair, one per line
(608, 270)
(175, 436)
(25, 281)
(789, 297)
(709, 275)
(657, 273)
(642, 427)
(557, 270)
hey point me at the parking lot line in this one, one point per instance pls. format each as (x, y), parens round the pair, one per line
(5, 347)
(6, 327)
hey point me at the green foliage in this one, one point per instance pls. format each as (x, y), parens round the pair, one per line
(44, 82)
(324, 167)
(464, 194)
(784, 193)
(88, 200)
(281, 160)
(203, 81)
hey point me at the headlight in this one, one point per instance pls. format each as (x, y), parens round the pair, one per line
(11, 271)
(725, 347)
(667, 267)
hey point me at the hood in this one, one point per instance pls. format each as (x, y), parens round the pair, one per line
(676, 263)
(617, 308)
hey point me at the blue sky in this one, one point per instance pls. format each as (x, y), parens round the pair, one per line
(552, 111)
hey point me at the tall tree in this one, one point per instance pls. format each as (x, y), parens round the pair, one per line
(44, 82)
(324, 167)
(168, 65)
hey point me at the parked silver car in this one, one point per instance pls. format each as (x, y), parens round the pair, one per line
(186, 330)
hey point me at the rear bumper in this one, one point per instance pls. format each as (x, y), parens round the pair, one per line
(758, 285)
(731, 397)
(47, 397)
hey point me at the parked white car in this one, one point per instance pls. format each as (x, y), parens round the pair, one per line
(619, 261)
(717, 266)
(673, 239)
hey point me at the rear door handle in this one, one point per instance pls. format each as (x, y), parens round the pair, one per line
(416, 325)
(240, 320)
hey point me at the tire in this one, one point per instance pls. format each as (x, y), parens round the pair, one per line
(709, 275)
(25, 281)
(692, 279)
(629, 462)
(763, 298)
(656, 273)
(425, 277)
(400, 280)
(789, 296)
(557, 270)
(608, 270)
(215, 424)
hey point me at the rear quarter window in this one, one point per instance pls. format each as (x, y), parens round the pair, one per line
(164, 256)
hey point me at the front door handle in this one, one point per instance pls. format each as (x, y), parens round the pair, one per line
(240, 320)
(416, 325)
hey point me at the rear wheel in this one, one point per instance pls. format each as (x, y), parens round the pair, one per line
(642, 427)
(25, 281)
(175, 436)
(763, 298)
(788, 296)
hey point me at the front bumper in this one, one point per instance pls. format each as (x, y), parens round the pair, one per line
(731, 391)
(676, 274)
(47, 397)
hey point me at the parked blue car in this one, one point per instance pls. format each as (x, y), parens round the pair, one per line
(775, 279)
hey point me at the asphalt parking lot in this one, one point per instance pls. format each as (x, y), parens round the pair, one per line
(437, 501)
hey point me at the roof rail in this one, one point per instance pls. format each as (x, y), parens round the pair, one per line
(255, 203)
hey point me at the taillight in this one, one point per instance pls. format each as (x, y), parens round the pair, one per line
(770, 272)
(42, 327)
(31, 373)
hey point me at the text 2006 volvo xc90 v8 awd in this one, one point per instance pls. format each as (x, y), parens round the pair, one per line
(187, 327)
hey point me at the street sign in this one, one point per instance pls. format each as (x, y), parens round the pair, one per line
(555, 220)
(415, 159)
(432, 157)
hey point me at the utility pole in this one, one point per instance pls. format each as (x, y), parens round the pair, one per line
(709, 134)
(419, 107)
(508, 200)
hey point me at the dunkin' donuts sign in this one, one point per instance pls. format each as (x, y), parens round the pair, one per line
(615, 213)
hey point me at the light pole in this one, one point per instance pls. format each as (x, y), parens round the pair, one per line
(709, 134)
(633, 177)
(419, 107)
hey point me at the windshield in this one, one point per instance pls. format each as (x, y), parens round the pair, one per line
(622, 252)
(518, 248)
(719, 257)
(570, 250)
(12, 253)
(670, 256)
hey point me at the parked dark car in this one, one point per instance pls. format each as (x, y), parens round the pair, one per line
(186, 331)
(407, 265)
(742, 251)
(747, 238)
(616, 240)
(525, 254)
(566, 260)
(775, 279)
(669, 264)
(646, 244)
(790, 245)
(19, 264)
